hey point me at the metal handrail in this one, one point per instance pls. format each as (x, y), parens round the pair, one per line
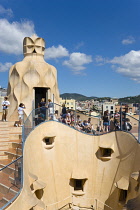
(11, 163)
(132, 117)
(10, 201)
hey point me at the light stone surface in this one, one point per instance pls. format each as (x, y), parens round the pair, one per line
(50, 170)
(31, 72)
(76, 155)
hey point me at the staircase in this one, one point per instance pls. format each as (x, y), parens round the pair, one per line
(10, 150)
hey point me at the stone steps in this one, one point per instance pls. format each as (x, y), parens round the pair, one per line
(10, 149)
(13, 153)
(6, 185)
(2, 152)
(3, 157)
(9, 185)
(11, 169)
(10, 136)
(7, 197)
(4, 162)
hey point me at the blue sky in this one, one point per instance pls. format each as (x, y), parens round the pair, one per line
(94, 44)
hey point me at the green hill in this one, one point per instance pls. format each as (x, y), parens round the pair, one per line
(130, 99)
(80, 97)
(76, 96)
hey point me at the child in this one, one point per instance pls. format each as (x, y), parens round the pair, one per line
(21, 113)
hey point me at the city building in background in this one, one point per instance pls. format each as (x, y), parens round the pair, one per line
(69, 103)
(108, 106)
(3, 93)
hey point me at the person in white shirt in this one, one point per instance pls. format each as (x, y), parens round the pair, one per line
(5, 106)
(21, 113)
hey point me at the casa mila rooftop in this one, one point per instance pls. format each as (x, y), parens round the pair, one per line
(50, 164)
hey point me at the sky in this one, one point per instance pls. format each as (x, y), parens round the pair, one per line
(93, 44)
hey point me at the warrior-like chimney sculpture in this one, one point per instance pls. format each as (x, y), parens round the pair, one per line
(32, 78)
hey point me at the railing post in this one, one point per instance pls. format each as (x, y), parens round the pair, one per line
(75, 114)
(23, 135)
(99, 124)
(139, 126)
(53, 106)
(23, 141)
(33, 119)
(121, 117)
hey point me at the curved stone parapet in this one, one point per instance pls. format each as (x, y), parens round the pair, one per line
(73, 170)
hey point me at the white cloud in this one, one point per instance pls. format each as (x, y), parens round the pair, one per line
(5, 67)
(4, 11)
(79, 45)
(56, 52)
(77, 61)
(12, 35)
(129, 40)
(100, 60)
(128, 65)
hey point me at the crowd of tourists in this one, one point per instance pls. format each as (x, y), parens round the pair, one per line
(70, 118)
(67, 117)
(107, 123)
(115, 122)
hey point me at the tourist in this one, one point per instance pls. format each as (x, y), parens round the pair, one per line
(63, 113)
(100, 126)
(21, 113)
(112, 126)
(106, 121)
(50, 109)
(116, 120)
(72, 124)
(72, 117)
(41, 117)
(42, 103)
(56, 116)
(85, 126)
(78, 120)
(78, 126)
(43, 111)
(128, 125)
(5, 106)
(69, 113)
(90, 126)
(68, 118)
